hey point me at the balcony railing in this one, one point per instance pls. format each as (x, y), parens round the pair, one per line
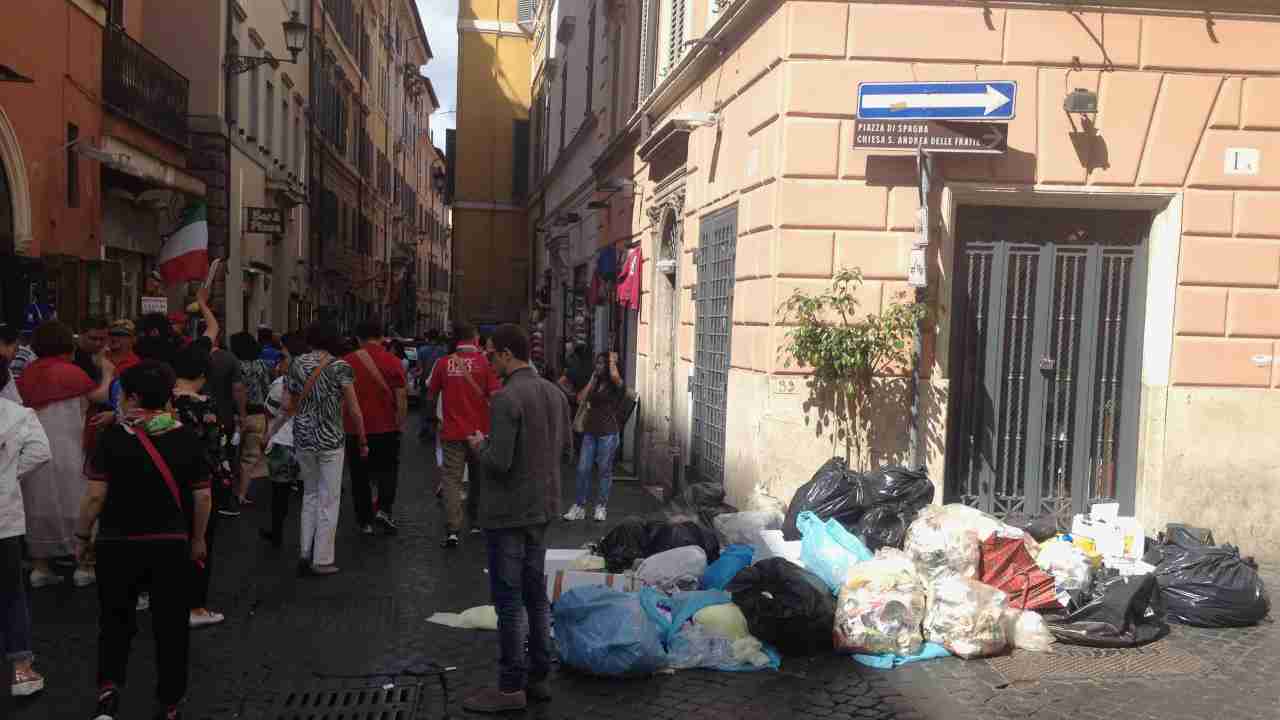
(140, 86)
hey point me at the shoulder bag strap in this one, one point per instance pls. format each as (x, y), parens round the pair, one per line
(311, 385)
(161, 465)
(367, 360)
(474, 385)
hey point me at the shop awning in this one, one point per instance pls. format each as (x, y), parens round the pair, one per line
(125, 158)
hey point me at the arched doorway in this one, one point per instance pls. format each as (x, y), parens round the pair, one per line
(15, 196)
(662, 433)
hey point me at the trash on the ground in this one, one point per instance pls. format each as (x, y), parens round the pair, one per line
(1029, 631)
(673, 570)
(888, 661)
(563, 559)
(786, 606)
(828, 550)
(732, 560)
(776, 546)
(1131, 567)
(606, 632)
(562, 581)
(724, 620)
(885, 526)
(833, 492)
(1005, 564)
(746, 528)
(1113, 536)
(1040, 529)
(1210, 586)
(625, 544)
(1180, 534)
(589, 562)
(476, 618)
(1072, 570)
(690, 645)
(967, 617)
(881, 607)
(762, 501)
(668, 535)
(1123, 612)
(943, 541)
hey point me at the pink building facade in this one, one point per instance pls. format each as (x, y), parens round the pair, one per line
(1104, 297)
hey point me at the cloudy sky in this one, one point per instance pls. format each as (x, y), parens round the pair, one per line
(440, 18)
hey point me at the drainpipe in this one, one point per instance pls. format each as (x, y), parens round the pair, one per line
(924, 165)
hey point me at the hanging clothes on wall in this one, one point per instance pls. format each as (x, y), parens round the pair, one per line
(629, 279)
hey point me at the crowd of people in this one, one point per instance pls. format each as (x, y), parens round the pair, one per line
(124, 447)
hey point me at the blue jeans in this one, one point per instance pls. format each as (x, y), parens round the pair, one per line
(15, 615)
(597, 449)
(517, 559)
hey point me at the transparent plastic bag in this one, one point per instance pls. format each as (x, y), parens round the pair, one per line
(674, 570)
(746, 528)
(881, 607)
(942, 541)
(1071, 569)
(726, 621)
(967, 617)
(1028, 631)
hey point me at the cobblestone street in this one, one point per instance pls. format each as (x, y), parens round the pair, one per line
(366, 628)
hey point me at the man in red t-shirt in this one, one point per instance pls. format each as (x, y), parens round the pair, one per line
(467, 382)
(380, 386)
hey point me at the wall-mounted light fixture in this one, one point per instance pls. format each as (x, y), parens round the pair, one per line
(295, 39)
(1081, 102)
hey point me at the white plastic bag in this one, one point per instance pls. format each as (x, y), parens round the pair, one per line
(762, 501)
(967, 617)
(943, 541)
(747, 528)
(1029, 631)
(674, 570)
(1071, 568)
(484, 617)
(881, 607)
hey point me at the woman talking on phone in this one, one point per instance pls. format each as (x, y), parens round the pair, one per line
(603, 396)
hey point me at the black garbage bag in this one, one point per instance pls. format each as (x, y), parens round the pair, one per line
(835, 491)
(625, 544)
(885, 525)
(1040, 529)
(707, 515)
(1211, 587)
(665, 535)
(1124, 612)
(894, 484)
(1187, 536)
(702, 494)
(786, 606)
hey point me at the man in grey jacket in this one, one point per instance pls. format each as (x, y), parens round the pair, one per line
(517, 498)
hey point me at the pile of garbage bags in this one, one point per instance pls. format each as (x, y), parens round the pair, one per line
(786, 606)
(877, 506)
(1206, 585)
(635, 539)
(881, 607)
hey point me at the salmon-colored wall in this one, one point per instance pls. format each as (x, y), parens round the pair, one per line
(66, 65)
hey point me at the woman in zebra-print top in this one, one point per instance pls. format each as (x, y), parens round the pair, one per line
(319, 441)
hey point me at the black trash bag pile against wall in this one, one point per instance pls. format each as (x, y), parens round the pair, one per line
(635, 539)
(1208, 586)
(786, 606)
(625, 544)
(1123, 612)
(833, 492)
(663, 536)
(877, 506)
(705, 501)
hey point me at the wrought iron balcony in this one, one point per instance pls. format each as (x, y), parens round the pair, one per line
(138, 85)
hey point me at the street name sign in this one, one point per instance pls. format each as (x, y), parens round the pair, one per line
(986, 101)
(931, 136)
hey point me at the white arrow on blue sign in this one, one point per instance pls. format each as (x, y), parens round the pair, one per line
(987, 101)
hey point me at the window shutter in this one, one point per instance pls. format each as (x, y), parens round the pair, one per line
(524, 11)
(675, 38)
(646, 51)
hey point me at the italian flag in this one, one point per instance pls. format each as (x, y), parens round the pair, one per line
(185, 255)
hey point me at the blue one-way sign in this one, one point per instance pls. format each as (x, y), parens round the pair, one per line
(988, 101)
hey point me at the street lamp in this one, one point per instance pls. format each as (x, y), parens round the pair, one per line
(295, 40)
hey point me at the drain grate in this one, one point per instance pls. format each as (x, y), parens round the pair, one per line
(1068, 661)
(366, 703)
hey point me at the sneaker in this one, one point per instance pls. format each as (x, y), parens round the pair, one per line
(601, 513)
(450, 541)
(84, 578)
(386, 523)
(322, 570)
(366, 529)
(108, 705)
(577, 512)
(40, 578)
(26, 683)
(199, 620)
(144, 602)
(493, 701)
(231, 509)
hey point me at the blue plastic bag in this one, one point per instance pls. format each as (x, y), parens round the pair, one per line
(687, 645)
(732, 560)
(828, 550)
(607, 632)
(888, 661)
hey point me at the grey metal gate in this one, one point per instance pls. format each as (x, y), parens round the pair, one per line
(1046, 358)
(713, 300)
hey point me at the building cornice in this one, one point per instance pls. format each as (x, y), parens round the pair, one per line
(493, 27)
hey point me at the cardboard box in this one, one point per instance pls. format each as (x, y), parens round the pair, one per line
(1122, 539)
(562, 581)
(557, 560)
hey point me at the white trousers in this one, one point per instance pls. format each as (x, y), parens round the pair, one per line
(321, 500)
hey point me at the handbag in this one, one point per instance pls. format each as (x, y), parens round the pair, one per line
(580, 419)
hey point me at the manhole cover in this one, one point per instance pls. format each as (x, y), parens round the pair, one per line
(1067, 661)
(365, 703)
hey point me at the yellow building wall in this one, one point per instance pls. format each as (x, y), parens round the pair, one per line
(503, 10)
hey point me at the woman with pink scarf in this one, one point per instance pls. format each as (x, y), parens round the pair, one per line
(60, 393)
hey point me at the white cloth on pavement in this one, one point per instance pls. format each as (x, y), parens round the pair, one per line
(484, 617)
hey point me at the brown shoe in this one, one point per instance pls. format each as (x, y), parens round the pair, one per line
(538, 691)
(493, 700)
